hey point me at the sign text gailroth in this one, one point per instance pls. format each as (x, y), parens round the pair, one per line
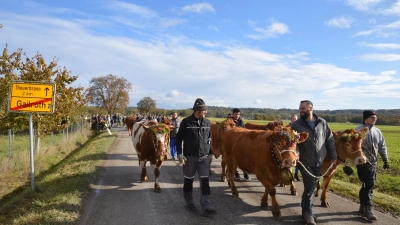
(31, 97)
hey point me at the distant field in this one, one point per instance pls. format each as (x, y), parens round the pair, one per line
(387, 182)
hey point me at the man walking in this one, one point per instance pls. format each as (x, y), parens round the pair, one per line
(373, 144)
(196, 136)
(312, 154)
(176, 122)
(239, 123)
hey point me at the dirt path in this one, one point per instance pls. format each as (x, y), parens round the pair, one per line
(120, 198)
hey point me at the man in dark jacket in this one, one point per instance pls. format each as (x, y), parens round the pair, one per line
(312, 154)
(195, 133)
(239, 123)
(172, 135)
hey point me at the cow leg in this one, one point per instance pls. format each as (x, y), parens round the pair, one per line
(264, 200)
(223, 174)
(157, 170)
(325, 184)
(293, 190)
(143, 176)
(231, 167)
(318, 188)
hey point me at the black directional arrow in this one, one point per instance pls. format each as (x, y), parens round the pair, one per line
(46, 89)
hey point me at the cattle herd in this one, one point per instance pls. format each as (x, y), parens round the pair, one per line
(264, 150)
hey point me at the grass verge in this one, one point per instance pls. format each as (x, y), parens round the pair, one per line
(59, 189)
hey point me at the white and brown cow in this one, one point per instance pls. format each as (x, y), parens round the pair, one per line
(151, 141)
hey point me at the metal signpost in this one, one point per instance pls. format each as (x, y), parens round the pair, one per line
(31, 97)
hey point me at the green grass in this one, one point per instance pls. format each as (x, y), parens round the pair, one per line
(387, 189)
(59, 189)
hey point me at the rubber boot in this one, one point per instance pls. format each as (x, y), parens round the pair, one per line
(309, 218)
(369, 214)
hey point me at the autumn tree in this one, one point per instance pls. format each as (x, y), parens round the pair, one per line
(146, 105)
(109, 92)
(68, 99)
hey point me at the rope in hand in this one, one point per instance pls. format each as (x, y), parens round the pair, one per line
(330, 167)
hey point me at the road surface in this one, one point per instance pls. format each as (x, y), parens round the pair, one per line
(120, 198)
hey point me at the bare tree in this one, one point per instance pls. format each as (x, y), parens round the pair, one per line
(109, 92)
(146, 104)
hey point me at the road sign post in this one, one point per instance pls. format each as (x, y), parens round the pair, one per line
(31, 97)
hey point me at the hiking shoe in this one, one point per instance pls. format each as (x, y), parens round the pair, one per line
(191, 207)
(237, 176)
(369, 214)
(309, 218)
(209, 212)
(246, 176)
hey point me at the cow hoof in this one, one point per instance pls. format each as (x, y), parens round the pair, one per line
(325, 204)
(293, 193)
(144, 179)
(277, 215)
(264, 206)
(223, 179)
(157, 190)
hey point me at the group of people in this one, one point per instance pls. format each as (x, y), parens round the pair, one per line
(195, 134)
(105, 120)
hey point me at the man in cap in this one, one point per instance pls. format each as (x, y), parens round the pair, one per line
(196, 136)
(373, 144)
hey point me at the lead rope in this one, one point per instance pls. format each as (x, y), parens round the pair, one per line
(330, 167)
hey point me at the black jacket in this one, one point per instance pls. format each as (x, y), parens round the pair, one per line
(239, 122)
(196, 136)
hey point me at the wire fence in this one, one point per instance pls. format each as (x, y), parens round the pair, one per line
(16, 142)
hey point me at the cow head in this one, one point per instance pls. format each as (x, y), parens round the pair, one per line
(283, 146)
(348, 145)
(276, 125)
(160, 136)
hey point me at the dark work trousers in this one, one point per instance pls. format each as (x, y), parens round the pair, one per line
(310, 187)
(172, 146)
(199, 164)
(367, 175)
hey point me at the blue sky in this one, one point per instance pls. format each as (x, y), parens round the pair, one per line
(340, 54)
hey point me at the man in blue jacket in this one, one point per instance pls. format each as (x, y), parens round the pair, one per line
(313, 151)
(373, 144)
(195, 133)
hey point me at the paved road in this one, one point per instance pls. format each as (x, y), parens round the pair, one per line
(120, 198)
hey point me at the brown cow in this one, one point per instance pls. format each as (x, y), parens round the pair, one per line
(263, 153)
(151, 142)
(276, 125)
(348, 146)
(129, 121)
(217, 129)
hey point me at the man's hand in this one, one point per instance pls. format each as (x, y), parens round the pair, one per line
(386, 166)
(180, 158)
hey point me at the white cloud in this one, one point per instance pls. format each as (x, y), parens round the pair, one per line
(173, 93)
(380, 57)
(394, 9)
(340, 22)
(381, 30)
(381, 45)
(133, 8)
(273, 30)
(199, 8)
(170, 22)
(363, 5)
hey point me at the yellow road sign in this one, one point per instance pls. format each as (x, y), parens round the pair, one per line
(31, 97)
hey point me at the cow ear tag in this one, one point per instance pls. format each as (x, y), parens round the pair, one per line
(286, 176)
(348, 170)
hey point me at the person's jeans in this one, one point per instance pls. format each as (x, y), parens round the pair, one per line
(172, 147)
(310, 187)
(367, 175)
